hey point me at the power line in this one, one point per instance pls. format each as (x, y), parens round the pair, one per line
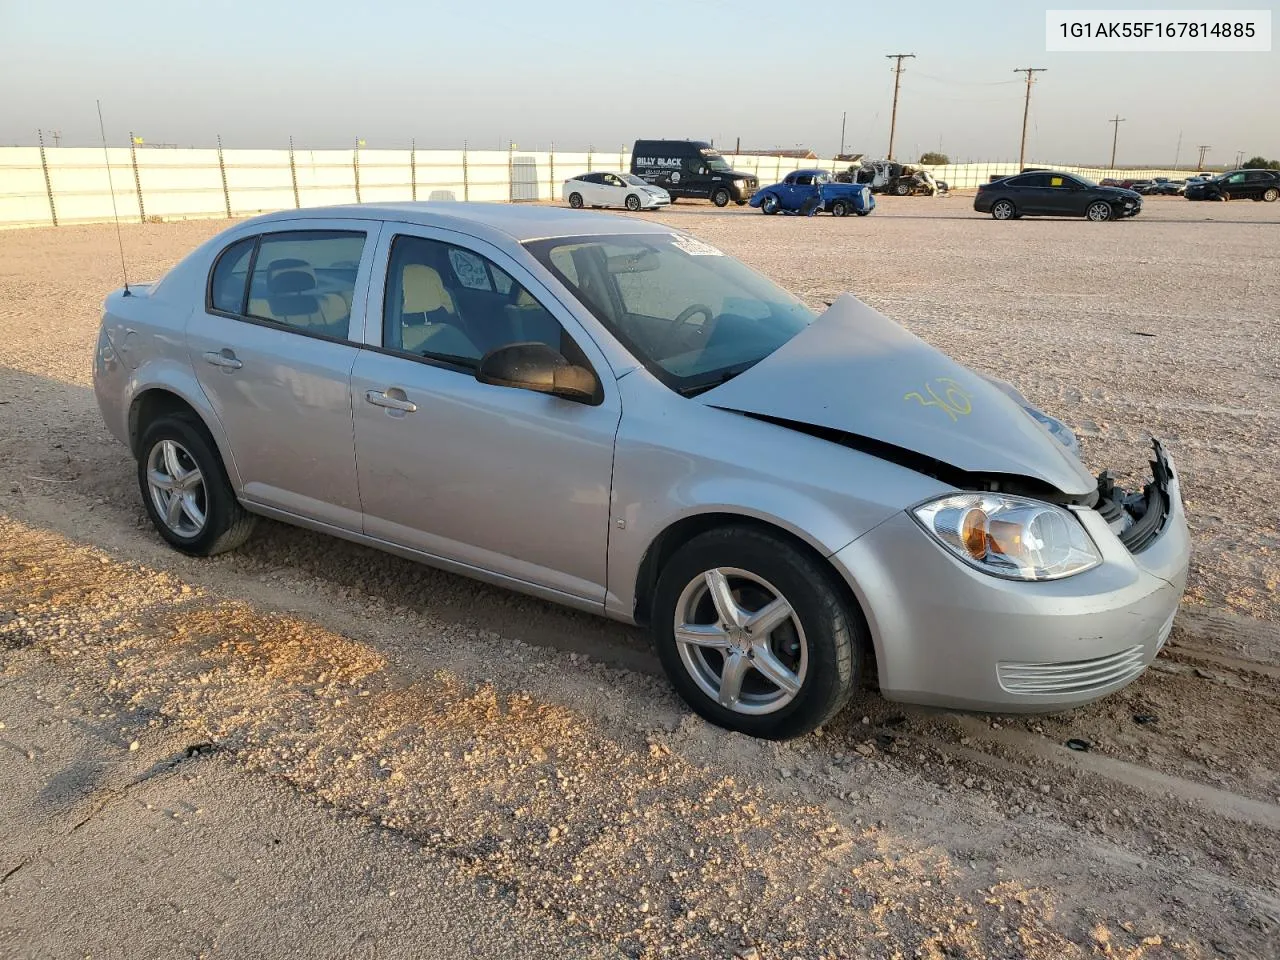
(1026, 110)
(1115, 135)
(897, 80)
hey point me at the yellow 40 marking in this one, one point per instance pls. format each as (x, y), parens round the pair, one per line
(953, 400)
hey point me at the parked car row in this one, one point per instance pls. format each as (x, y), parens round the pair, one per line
(1261, 185)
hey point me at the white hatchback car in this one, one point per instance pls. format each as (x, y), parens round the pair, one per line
(604, 189)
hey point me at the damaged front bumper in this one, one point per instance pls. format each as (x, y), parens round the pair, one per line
(949, 635)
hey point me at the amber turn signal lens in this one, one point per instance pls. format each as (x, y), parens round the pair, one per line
(973, 533)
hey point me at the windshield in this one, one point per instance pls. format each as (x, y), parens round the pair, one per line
(715, 161)
(632, 179)
(691, 315)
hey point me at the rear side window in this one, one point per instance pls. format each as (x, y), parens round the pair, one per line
(306, 280)
(227, 282)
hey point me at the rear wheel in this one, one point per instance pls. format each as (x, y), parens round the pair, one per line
(839, 209)
(1099, 211)
(901, 189)
(1003, 210)
(754, 634)
(632, 202)
(575, 201)
(186, 490)
(1271, 195)
(721, 197)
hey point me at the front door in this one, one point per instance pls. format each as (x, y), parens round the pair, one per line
(273, 350)
(497, 479)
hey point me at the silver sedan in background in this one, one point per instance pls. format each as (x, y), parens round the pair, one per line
(613, 415)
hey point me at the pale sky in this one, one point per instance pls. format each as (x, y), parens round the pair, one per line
(602, 74)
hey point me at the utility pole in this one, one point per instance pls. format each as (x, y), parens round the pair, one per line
(897, 81)
(842, 119)
(1114, 137)
(1204, 148)
(1239, 157)
(1026, 110)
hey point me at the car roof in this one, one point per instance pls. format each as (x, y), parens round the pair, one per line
(809, 170)
(510, 221)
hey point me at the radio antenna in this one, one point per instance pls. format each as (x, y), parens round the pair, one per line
(112, 188)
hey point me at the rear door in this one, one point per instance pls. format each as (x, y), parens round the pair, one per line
(273, 350)
(1032, 195)
(495, 479)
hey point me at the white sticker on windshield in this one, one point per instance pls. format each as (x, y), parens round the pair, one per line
(694, 247)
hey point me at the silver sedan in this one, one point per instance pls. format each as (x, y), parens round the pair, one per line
(614, 415)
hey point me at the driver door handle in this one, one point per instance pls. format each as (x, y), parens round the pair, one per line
(380, 399)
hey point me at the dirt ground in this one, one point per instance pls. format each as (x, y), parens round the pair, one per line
(306, 748)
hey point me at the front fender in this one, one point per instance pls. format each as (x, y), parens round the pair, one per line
(675, 459)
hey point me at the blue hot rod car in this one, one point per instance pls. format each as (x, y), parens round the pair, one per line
(813, 191)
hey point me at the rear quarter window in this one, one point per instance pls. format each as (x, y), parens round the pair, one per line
(229, 276)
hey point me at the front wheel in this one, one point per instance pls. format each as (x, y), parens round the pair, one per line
(186, 491)
(839, 209)
(575, 201)
(1271, 195)
(901, 189)
(1099, 211)
(632, 202)
(721, 197)
(770, 205)
(754, 634)
(1003, 210)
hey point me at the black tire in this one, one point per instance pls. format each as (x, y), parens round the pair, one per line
(862, 213)
(832, 633)
(901, 189)
(1004, 209)
(575, 201)
(741, 203)
(632, 202)
(1100, 211)
(839, 209)
(770, 204)
(227, 524)
(674, 198)
(1271, 194)
(720, 197)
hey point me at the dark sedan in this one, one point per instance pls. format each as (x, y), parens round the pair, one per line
(1238, 185)
(1051, 194)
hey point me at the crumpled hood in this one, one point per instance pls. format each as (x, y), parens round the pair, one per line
(855, 370)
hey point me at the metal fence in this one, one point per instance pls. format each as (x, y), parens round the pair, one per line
(42, 186)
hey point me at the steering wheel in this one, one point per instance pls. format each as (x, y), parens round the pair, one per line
(683, 319)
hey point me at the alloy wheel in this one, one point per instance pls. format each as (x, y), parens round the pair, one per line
(1003, 210)
(1099, 211)
(177, 488)
(741, 641)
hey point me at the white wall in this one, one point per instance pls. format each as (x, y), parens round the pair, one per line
(185, 184)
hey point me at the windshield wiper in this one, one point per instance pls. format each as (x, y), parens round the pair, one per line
(697, 388)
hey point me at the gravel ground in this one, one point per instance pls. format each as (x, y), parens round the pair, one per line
(320, 729)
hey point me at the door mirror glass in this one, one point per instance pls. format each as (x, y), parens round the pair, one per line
(537, 367)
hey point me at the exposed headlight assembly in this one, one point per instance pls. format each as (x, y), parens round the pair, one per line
(1011, 537)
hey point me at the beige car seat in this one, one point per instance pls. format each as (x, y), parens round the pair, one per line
(292, 298)
(429, 317)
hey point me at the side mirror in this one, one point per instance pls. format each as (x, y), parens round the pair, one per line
(535, 366)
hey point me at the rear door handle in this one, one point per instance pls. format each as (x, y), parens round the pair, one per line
(380, 399)
(225, 359)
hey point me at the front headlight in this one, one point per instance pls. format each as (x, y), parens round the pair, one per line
(1011, 537)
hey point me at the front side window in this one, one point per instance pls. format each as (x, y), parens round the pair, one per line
(804, 179)
(446, 303)
(690, 314)
(229, 277)
(306, 280)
